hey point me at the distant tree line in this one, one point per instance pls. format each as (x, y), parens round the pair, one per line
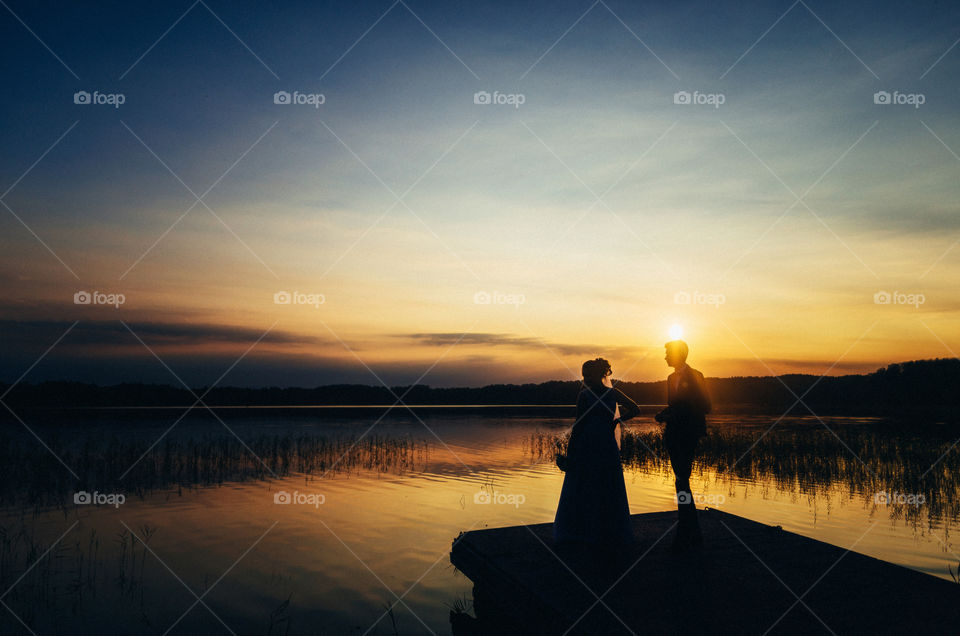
(905, 387)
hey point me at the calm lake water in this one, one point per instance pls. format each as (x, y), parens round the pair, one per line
(378, 525)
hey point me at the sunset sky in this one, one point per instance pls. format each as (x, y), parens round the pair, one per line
(587, 215)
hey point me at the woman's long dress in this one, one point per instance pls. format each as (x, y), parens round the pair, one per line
(593, 502)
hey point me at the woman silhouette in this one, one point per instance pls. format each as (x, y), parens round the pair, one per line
(593, 505)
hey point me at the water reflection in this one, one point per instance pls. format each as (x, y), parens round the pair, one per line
(390, 509)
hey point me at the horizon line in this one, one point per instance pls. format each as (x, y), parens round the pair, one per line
(383, 386)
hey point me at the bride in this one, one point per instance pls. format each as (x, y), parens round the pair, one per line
(593, 505)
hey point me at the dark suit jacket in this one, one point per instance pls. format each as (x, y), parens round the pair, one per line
(688, 405)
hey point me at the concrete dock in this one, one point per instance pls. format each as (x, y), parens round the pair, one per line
(748, 578)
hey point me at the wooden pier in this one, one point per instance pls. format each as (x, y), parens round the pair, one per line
(748, 578)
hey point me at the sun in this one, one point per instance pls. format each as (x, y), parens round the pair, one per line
(676, 332)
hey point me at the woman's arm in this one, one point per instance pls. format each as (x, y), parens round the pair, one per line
(628, 408)
(705, 404)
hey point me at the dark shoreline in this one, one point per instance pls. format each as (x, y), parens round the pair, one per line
(57, 414)
(925, 388)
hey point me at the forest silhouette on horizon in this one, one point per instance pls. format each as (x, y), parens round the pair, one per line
(903, 387)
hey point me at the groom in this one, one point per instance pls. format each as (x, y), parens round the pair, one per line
(685, 423)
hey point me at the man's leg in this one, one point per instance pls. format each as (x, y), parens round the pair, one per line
(681, 459)
(689, 514)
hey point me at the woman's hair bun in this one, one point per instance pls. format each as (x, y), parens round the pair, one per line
(596, 370)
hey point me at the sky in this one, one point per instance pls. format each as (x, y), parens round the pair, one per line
(466, 193)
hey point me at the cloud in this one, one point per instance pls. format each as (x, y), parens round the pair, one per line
(786, 366)
(111, 333)
(519, 342)
(258, 369)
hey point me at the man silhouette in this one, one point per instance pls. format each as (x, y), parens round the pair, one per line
(685, 423)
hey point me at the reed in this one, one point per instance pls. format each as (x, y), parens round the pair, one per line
(31, 475)
(857, 461)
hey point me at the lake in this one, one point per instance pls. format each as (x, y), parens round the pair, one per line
(317, 521)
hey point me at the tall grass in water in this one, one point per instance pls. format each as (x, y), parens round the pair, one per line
(55, 585)
(55, 589)
(53, 582)
(857, 460)
(31, 475)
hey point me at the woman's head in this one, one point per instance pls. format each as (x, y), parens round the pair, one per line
(594, 371)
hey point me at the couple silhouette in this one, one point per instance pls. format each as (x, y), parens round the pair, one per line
(593, 509)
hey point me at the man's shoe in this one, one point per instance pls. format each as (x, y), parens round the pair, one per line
(686, 539)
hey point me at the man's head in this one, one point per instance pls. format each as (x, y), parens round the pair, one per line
(677, 351)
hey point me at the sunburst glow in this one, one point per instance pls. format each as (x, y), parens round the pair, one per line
(676, 332)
